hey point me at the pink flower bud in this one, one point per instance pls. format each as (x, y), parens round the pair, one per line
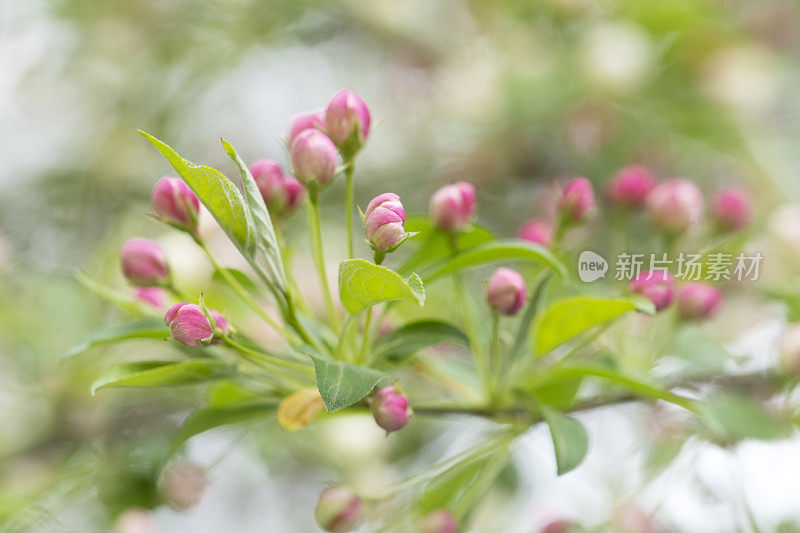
(136, 520)
(190, 326)
(537, 232)
(182, 485)
(306, 121)
(789, 350)
(656, 286)
(346, 114)
(314, 157)
(577, 199)
(339, 509)
(506, 291)
(697, 300)
(630, 186)
(154, 296)
(453, 206)
(384, 222)
(282, 194)
(732, 208)
(174, 202)
(143, 262)
(438, 521)
(390, 408)
(675, 205)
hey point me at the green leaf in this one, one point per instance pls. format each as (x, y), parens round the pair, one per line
(414, 336)
(492, 252)
(363, 284)
(343, 384)
(559, 392)
(434, 244)
(146, 328)
(570, 440)
(160, 373)
(212, 417)
(567, 318)
(124, 300)
(732, 417)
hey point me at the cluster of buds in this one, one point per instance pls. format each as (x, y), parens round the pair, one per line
(695, 300)
(195, 325)
(281, 193)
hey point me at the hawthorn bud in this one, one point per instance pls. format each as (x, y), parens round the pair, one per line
(347, 121)
(789, 349)
(630, 186)
(282, 194)
(189, 325)
(577, 199)
(506, 291)
(697, 300)
(384, 222)
(453, 206)
(136, 520)
(306, 121)
(656, 286)
(438, 521)
(537, 232)
(732, 208)
(339, 509)
(153, 296)
(144, 263)
(390, 408)
(675, 205)
(182, 485)
(314, 157)
(174, 202)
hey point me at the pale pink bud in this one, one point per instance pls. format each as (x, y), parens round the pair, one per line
(314, 157)
(732, 208)
(154, 296)
(346, 114)
(143, 262)
(453, 206)
(174, 202)
(577, 199)
(790, 350)
(390, 408)
(136, 521)
(656, 286)
(506, 291)
(697, 300)
(281, 193)
(438, 521)
(189, 325)
(675, 205)
(306, 121)
(339, 509)
(630, 186)
(183, 484)
(537, 232)
(384, 222)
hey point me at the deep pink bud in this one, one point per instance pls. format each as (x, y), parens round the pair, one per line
(174, 201)
(306, 121)
(506, 291)
(675, 205)
(143, 262)
(339, 509)
(190, 326)
(537, 232)
(384, 222)
(453, 206)
(656, 286)
(732, 208)
(630, 186)
(577, 199)
(390, 408)
(438, 521)
(697, 300)
(154, 296)
(345, 114)
(282, 194)
(314, 157)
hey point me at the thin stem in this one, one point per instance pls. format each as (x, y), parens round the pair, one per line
(319, 258)
(350, 167)
(365, 336)
(262, 357)
(286, 258)
(494, 363)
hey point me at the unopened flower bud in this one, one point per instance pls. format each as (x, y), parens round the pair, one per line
(390, 408)
(630, 186)
(174, 202)
(537, 232)
(189, 325)
(339, 509)
(281, 193)
(656, 286)
(347, 121)
(144, 263)
(453, 206)
(732, 208)
(154, 296)
(306, 121)
(384, 222)
(438, 521)
(506, 291)
(675, 205)
(314, 157)
(790, 350)
(577, 199)
(697, 300)
(183, 484)
(136, 521)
